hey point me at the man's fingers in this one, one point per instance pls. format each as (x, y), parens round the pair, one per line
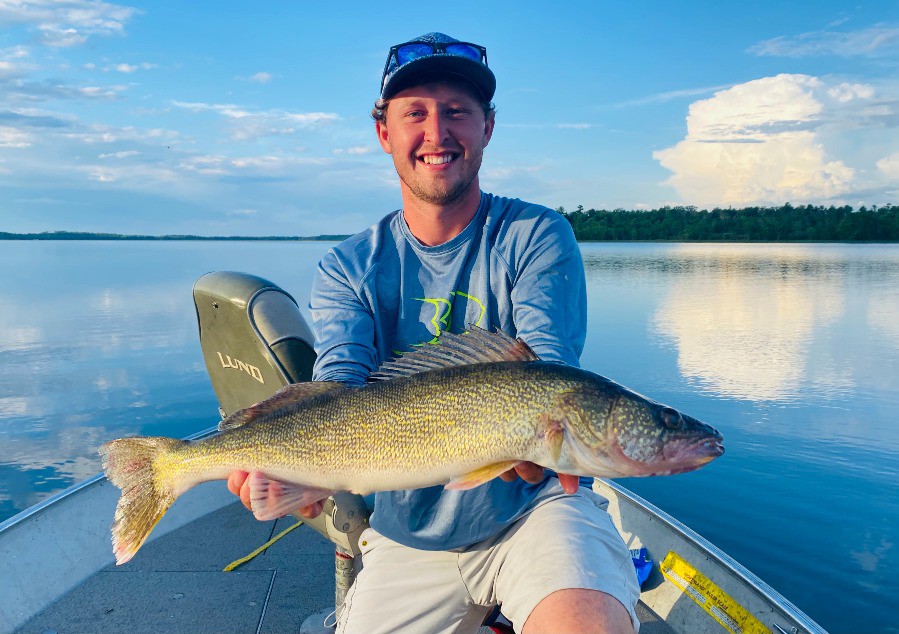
(236, 480)
(237, 484)
(313, 510)
(509, 476)
(530, 472)
(569, 482)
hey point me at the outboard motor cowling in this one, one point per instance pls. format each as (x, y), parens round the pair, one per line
(253, 336)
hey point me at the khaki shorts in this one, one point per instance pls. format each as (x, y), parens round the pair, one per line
(564, 541)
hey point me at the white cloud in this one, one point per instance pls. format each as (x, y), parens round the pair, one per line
(881, 39)
(12, 62)
(11, 137)
(771, 140)
(671, 95)
(846, 92)
(120, 155)
(128, 68)
(69, 23)
(8, 69)
(889, 167)
(261, 78)
(248, 124)
(355, 150)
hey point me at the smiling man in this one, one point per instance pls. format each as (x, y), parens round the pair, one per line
(533, 542)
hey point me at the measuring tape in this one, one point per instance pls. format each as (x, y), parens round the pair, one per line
(730, 614)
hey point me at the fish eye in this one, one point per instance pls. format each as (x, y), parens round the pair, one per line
(671, 418)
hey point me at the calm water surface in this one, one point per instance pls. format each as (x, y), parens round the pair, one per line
(792, 351)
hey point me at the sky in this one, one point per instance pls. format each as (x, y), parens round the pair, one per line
(252, 118)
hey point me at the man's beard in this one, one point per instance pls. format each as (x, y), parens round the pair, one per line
(445, 193)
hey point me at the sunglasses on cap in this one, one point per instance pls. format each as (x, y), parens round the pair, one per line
(410, 51)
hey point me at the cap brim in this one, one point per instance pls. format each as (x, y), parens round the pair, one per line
(475, 72)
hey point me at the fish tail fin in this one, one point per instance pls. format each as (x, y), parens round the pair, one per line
(130, 464)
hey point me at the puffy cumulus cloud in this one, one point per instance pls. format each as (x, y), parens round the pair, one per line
(69, 23)
(889, 167)
(766, 142)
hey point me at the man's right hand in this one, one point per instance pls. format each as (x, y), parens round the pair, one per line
(237, 484)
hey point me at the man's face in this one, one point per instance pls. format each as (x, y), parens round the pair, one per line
(436, 134)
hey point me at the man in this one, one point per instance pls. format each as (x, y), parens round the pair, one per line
(437, 560)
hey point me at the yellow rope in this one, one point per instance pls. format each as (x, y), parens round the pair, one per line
(243, 560)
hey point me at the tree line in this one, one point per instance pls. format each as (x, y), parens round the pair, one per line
(787, 223)
(807, 223)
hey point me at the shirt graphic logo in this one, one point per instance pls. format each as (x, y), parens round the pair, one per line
(444, 309)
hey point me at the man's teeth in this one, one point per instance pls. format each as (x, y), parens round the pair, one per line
(431, 159)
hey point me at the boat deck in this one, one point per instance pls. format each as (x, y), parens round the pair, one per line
(176, 585)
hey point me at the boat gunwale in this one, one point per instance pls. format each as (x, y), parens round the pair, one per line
(22, 517)
(731, 565)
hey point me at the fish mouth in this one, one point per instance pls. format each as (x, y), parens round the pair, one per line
(688, 456)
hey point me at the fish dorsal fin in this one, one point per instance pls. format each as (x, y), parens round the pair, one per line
(286, 396)
(475, 346)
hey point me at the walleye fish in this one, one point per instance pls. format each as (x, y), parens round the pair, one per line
(458, 413)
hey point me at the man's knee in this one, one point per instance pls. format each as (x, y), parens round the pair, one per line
(579, 611)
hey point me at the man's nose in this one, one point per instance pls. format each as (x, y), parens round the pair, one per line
(436, 129)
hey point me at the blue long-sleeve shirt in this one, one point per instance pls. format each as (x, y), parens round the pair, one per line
(516, 267)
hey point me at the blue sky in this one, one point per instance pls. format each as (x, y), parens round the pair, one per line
(240, 118)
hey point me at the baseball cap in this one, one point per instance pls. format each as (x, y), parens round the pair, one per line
(436, 53)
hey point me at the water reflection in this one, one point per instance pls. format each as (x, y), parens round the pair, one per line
(766, 322)
(99, 340)
(745, 336)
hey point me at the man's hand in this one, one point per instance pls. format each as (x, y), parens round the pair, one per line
(237, 484)
(533, 473)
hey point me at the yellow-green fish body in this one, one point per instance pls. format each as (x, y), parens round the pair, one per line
(456, 414)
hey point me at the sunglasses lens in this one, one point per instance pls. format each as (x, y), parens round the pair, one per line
(464, 50)
(407, 52)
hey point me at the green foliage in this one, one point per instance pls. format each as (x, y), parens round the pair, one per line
(807, 223)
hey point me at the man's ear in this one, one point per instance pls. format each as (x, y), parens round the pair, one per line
(383, 136)
(489, 124)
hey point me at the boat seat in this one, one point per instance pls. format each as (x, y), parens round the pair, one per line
(255, 341)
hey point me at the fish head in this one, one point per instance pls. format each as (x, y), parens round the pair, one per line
(615, 432)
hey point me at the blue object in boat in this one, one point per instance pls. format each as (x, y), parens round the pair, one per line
(642, 563)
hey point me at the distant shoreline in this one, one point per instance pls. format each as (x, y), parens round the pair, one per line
(87, 235)
(786, 223)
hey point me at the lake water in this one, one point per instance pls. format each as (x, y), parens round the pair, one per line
(791, 351)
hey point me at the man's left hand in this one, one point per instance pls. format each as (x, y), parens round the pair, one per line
(533, 473)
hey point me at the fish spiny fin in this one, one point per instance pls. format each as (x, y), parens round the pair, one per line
(480, 475)
(285, 397)
(271, 499)
(130, 464)
(475, 346)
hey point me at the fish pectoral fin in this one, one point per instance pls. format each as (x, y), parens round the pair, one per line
(552, 430)
(480, 475)
(271, 499)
